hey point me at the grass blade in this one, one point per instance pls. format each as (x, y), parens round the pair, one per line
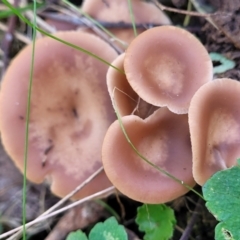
(132, 17)
(24, 191)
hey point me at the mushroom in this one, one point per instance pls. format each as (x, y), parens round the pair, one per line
(166, 65)
(214, 120)
(117, 11)
(122, 95)
(163, 138)
(70, 111)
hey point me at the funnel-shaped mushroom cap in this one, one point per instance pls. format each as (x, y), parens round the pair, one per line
(117, 11)
(163, 138)
(70, 111)
(166, 66)
(122, 95)
(214, 119)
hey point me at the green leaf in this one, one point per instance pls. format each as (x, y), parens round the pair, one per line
(222, 193)
(157, 221)
(78, 235)
(108, 230)
(226, 64)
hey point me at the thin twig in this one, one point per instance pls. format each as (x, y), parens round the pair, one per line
(180, 11)
(92, 23)
(40, 22)
(18, 35)
(188, 229)
(122, 208)
(37, 220)
(77, 21)
(66, 198)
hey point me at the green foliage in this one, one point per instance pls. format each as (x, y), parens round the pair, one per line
(78, 235)
(222, 194)
(108, 230)
(157, 221)
(226, 64)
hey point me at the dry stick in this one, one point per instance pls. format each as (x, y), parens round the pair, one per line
(110, 38)
(37, 220)
(207, 16)
(103, 35)
(18, 35)
(201, 10)
(77, 189)
(62, 201)
(187, 231)
(77, 21)
(122, 208)
(185, 12)
(40, 22)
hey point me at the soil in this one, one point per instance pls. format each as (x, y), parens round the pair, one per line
(223, 38)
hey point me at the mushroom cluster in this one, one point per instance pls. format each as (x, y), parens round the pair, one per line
(70, 110)
(192, 146)
(169, 108)
(162, 70)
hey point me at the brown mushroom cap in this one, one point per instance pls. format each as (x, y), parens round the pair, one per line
(117, 11)
(70, 111)
(214, 120)
(163, 138)
(166, 65)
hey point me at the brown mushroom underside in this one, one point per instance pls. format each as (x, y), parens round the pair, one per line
(163, 138)
(70, 111)
(214, 119)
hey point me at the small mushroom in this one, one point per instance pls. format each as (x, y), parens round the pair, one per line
(122, 95)
(70, 111)
(166, 65)
(163, 138)
(214, 120)
(117, 12)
